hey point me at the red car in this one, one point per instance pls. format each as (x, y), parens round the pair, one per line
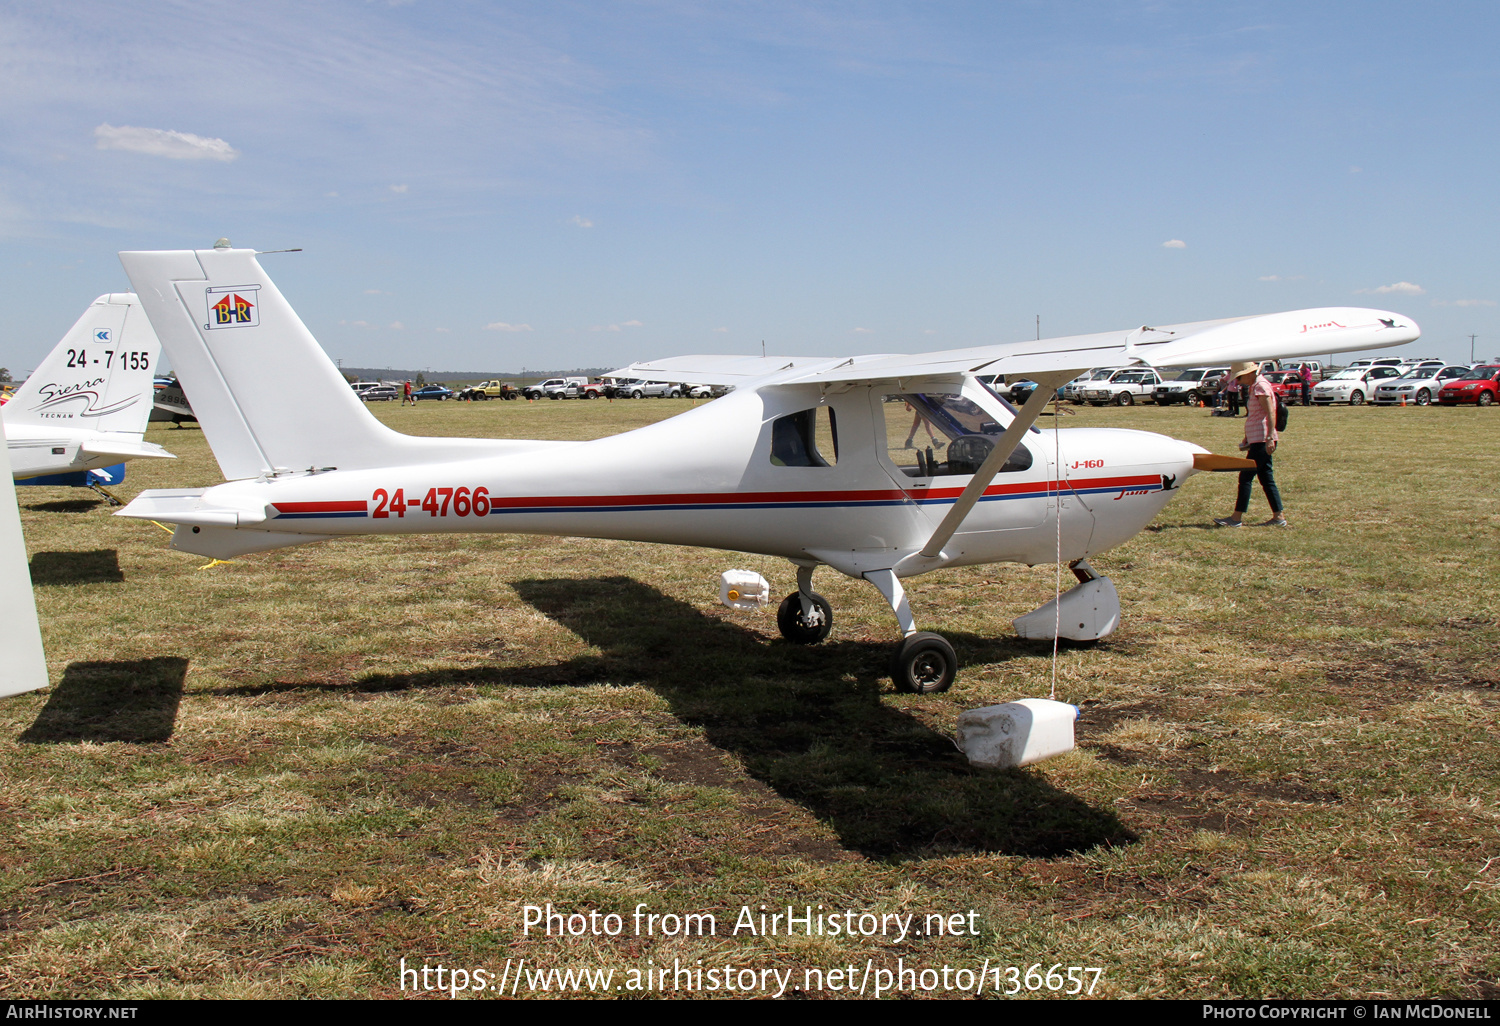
(1481, 387)
(1287, 384)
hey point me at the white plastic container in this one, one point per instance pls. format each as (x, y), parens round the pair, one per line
(743, 589)
(1017, 733)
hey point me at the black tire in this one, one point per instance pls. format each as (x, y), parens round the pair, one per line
(1424, 398)
(637, 394)
(924, 664)
(1356, 398)
(1124, 399)
(1484, 399)
(676, 394)
(796, 629)
(1193, 398)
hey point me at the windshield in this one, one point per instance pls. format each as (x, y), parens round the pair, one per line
(1192, 375)
(946, 434)
(1352, 373)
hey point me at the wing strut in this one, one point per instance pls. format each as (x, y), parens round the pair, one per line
(1046, 385)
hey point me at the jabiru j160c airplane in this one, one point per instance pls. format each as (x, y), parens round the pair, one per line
(880, 467)
(85, 408)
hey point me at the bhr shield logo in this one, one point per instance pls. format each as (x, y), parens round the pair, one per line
(237, 306)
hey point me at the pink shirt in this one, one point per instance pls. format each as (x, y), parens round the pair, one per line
(1258, 425)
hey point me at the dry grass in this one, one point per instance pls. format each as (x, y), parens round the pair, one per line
(277, 777)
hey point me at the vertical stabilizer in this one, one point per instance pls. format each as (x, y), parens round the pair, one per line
(268, 397)
(23, 664)
(99, 376)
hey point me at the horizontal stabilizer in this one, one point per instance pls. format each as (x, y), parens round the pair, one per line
(187, 506)
(125, 448)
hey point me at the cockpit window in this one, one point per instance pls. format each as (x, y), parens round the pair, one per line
(806, 439)
(938, 434)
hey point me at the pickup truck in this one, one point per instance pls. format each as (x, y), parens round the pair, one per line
(557, 388)
(490, 390)
(1123, 387)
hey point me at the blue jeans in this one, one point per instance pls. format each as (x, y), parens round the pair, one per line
(1257, 452)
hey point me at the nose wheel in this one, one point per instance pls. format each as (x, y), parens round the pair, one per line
(804, 619)
(924, 664)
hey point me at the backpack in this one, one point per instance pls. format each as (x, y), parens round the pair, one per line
(1281, 413)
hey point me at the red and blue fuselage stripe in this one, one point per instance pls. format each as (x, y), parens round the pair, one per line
(501, 505)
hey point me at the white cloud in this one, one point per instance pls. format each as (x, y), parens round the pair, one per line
(634, 324)
(1463, 302)
(864, 331)
(376, 292)
(397, 326)
(722, 330)
(1405, 288)
(160, 142)
(929, 331)
(1355, 170)
(399, 188)
(581, 221)
(502, 326)
(1282, 277)
(443, 330)
(1174, 244)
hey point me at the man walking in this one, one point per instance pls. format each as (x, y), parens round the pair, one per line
(1259, 443)
(1306, 385)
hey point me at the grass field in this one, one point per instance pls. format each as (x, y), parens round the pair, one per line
(279, 776)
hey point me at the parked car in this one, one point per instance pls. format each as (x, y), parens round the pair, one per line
(1192, 386)
(380, 393)
(433, 392)
(1418, 386)
(1353, 384)
(1073, 390)
(1122, 388)
(1287, 384)
(557, 388)
(490, 390)
(1481, 387)
(636, 388)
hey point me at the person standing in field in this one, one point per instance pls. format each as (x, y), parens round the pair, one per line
(1259, 443)
(1306, 385)
(406, 394)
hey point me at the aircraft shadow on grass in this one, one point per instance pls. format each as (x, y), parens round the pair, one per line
(98, 565)
(808, 722)
(129, 700)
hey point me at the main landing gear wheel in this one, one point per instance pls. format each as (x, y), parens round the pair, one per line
(802, 630)
(924, 664)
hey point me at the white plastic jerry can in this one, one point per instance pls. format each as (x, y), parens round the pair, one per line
(1017, 733)
(743, 589)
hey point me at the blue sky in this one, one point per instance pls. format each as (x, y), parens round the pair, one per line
(498, 185)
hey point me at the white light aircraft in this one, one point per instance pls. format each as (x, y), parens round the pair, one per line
(86, 406)
(880, 467)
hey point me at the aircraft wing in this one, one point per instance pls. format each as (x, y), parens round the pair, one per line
(1280, 336)
(715, 369)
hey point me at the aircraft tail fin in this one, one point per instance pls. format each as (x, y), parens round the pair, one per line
(98, 377)
(269, 399)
